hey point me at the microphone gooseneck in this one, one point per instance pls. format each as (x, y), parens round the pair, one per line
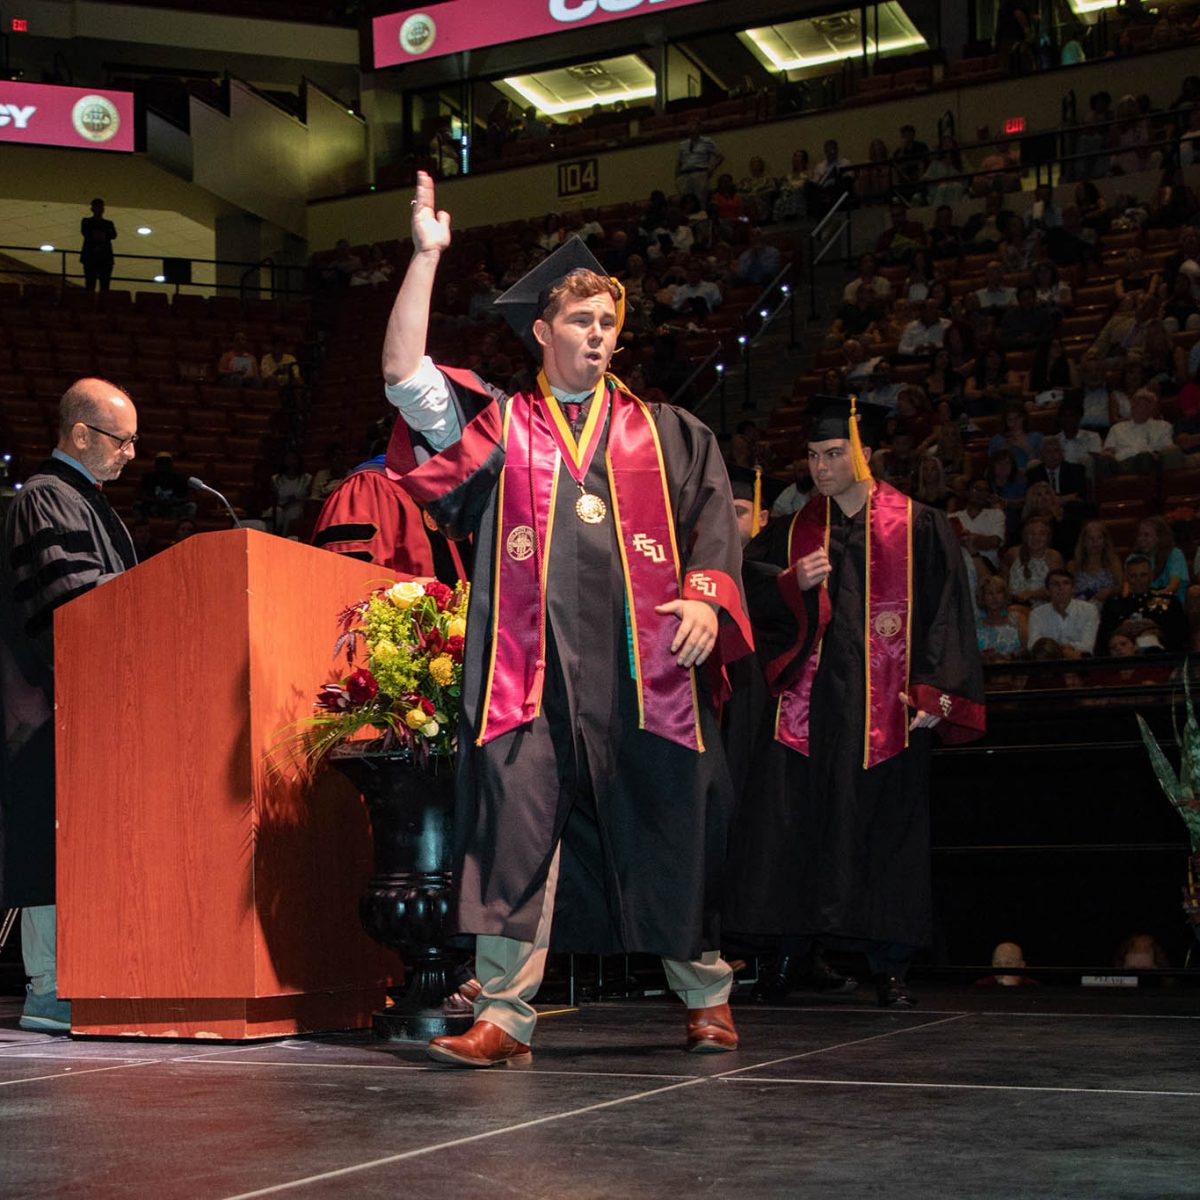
(200, 486)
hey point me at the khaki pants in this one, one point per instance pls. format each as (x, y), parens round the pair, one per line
(511, 972)
(39, 948)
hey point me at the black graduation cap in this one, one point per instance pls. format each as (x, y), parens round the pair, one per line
(831, 419)
(523, 303)
(741, 480)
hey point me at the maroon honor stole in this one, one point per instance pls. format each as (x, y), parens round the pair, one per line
(537, 443)
(887, 634)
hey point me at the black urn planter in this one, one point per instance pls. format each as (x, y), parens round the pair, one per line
(409, 905)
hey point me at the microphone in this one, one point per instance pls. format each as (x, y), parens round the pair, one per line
(201, 486)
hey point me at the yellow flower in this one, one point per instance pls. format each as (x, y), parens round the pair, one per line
(430, 729)
(441, 670)
(384, 649)
(415, 718)
(456, 627)
(402, 595)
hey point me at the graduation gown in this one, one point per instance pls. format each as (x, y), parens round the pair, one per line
(822, 845)
(643, 821)
(61, 538)
(371, 517)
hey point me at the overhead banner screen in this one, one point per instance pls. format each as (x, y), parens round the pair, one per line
(41, 114)
(417, 33)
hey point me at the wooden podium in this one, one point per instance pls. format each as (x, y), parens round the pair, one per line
(198, 897)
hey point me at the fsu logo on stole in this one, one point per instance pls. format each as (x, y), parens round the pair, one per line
(519, 543)
(888, 624)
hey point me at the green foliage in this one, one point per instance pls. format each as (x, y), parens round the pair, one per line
(1179, 787)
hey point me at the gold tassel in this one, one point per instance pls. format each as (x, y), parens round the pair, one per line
(620, 303)
(755, 524)
(858, 460)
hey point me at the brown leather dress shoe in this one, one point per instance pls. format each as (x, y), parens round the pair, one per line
(483, 1045)
(710, 1030)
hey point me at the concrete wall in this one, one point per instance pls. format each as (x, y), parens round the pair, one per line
(267, 162)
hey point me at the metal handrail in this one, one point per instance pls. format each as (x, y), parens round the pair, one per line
(63, 274)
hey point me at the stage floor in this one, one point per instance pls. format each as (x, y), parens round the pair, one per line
(1041, 1093)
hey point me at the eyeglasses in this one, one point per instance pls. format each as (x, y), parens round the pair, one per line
(122, 442)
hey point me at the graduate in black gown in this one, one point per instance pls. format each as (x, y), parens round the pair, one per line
(593, 796)
(864, 624)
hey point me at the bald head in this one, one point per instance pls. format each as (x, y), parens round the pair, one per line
(97, 426)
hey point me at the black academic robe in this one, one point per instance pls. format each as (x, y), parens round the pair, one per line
(61, 538)
(822, 846)
(642, 821)
(371, 517)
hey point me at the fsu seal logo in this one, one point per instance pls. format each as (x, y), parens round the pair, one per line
(95, 118)
(520, 543)
(418, 33)
(888, 624)
(430, 523)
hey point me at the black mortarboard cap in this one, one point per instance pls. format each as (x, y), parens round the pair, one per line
(523, 303)
(831, 419)
(741, 480)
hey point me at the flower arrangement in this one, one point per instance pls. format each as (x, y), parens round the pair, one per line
(404, 656)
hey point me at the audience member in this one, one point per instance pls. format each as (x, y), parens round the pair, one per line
(831, 179)
(902, 238)
(1068, 481)
(981, 527)
(867, 276)
(696, 296)
(758, 190)
(163, 491)
(1007, 486)
(924, 334)
(1156, 540)
(1015, 436)
(945, 238)
(1155, 620)
(1052, 373)
(873, 179)
(1080, 446)
(1008, 958)
(760, 262)
(96, 254)
(1143, 443)
(696, 160)
(791, 202)
(326, 479)
(290, 488)
(1028, 325)
(1000, 627)
(1027, 565)
(1070, 622)
(238, 367)
(995, 296)
(1096, 565)
(909, 157)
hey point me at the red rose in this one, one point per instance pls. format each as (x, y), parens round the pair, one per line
(454, 647)
(361, 687)
(427, 707)
(440, 593)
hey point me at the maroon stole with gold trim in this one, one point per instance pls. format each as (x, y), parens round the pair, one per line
(535, 448)
(887, 635)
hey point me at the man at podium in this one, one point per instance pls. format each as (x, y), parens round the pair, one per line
(61, 538)
(593, 796)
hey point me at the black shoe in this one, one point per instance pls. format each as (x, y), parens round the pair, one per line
(776, 982)
(892, 992)
(821, 977)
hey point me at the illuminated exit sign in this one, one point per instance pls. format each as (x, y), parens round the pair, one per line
(20, 25)
(1014, 125)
